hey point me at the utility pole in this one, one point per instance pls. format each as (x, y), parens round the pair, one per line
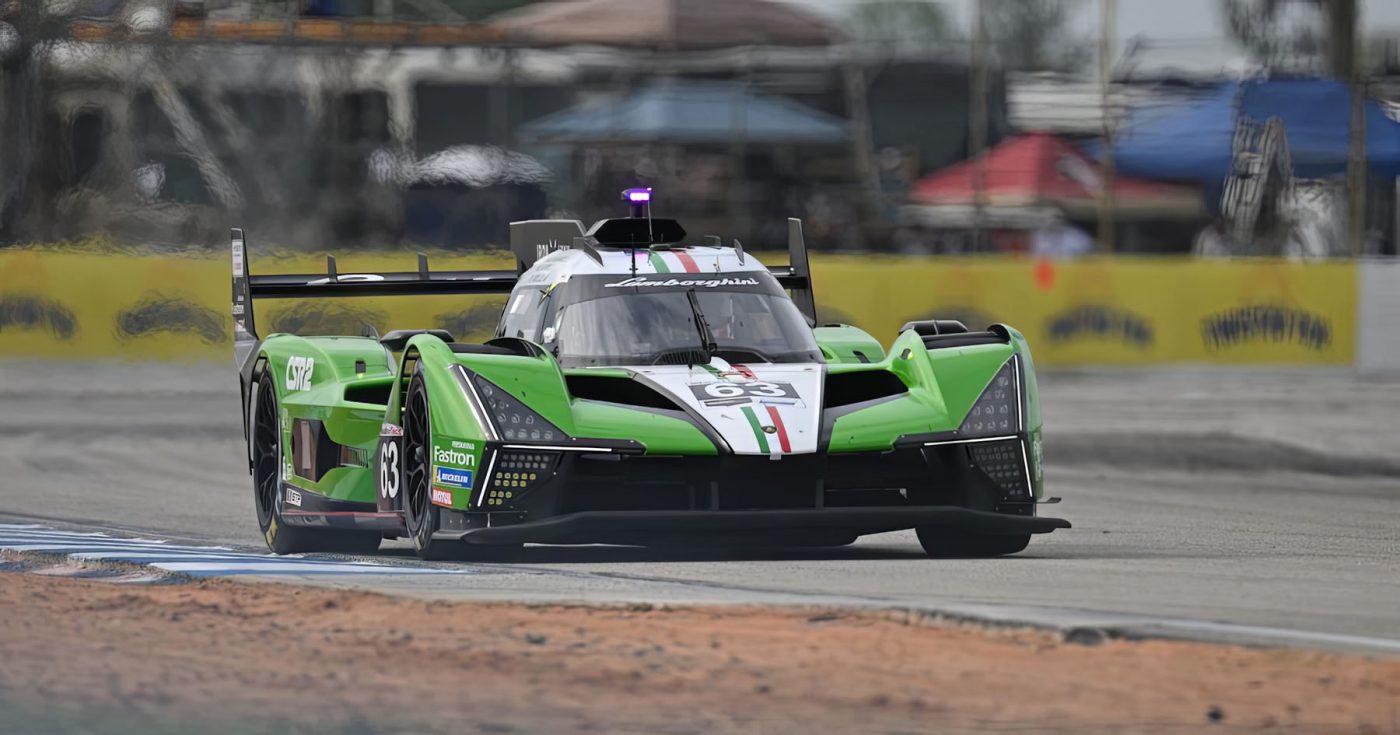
(1107, 171)
(21, 98)
(1342, 56)
(977, 121)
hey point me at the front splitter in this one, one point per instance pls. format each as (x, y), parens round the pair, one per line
(613, 526)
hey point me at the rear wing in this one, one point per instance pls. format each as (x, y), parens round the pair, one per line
(249, 288)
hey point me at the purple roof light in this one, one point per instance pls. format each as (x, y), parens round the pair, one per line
(638, 196)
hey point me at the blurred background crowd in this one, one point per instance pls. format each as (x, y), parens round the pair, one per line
(1053, 127)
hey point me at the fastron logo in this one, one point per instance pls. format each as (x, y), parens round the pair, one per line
(299, 370)
(449, 456)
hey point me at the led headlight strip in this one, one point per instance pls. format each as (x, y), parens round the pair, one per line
(988, 402)
(992, 412)
(492, 406)
(976, 426)
(483, 417)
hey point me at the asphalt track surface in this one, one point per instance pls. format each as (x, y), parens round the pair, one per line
(1258, 498)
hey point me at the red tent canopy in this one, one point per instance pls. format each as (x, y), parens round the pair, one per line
(1040, 169)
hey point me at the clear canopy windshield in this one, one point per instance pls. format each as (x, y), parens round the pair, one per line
(658, 327)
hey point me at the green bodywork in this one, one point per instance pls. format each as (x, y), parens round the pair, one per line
(942, 386)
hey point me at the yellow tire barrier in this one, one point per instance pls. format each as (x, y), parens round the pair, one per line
(67, 304)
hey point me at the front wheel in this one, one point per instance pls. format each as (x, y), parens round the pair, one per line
(420, 515)
(941, 542)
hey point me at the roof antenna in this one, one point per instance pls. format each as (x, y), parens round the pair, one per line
(639, 205)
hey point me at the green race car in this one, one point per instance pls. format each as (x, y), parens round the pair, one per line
(640, 390)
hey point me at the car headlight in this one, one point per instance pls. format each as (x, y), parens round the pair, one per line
(997, 412)
(514, 421)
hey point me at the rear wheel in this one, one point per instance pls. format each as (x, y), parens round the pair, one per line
(266, 442)
(941, 542)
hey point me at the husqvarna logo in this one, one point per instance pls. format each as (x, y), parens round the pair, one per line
(299, 370)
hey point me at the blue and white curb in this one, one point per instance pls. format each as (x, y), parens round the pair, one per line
(195, 561)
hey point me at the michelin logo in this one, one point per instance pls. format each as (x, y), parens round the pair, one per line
(453, 478)
(453, 457)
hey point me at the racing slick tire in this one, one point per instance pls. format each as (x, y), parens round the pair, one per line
(421, 517)
(266, 442)
(941, 542)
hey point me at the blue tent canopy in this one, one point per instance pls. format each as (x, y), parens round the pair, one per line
(690, 112)
(1194, 143)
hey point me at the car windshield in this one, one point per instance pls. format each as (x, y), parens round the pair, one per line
(638, 326)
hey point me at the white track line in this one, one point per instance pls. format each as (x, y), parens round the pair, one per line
(199, 561)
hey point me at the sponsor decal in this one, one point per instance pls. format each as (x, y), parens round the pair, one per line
(453, 457)
(1102, 322)
(1264, 323)
(545, 248)
(643, 281)
(765, 422)
(457, 444)
(389, 469)
(442, 496)
(1036, 457)
(238, 258)
(348, 278)
(729, 393)
(299, 370)
(453, 477)
(294, 497)
(390, 430)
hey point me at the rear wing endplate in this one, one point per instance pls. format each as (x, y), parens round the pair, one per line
(797, 275)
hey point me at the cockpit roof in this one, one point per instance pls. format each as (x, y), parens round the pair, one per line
(701, 259)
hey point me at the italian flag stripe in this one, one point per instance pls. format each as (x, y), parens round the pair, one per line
(745, 371)
(757, 429)
(711, 369)
(687, 262)
(659, 263)
(782, 430)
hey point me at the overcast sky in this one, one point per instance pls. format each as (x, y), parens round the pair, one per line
(1156, 18)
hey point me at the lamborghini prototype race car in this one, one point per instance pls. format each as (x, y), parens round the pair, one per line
(640, 390)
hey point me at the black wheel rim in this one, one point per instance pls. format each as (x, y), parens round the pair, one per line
(415, 440)
(266, 453)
